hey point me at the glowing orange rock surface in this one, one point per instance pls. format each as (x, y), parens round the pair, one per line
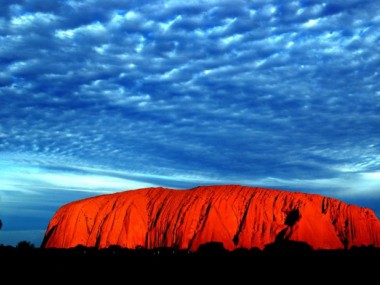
(237, 216)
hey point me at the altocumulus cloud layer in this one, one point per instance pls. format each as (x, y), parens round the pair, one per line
(99, 96)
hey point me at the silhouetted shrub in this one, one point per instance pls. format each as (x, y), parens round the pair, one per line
(80, 249)
(288, 247)
(240, 252)
(167, 251)
(255, 251)
(212, 248)
(25, 245)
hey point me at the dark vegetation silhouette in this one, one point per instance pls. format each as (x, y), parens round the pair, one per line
(286, 256)
(212, 248)
(277, 248)
(25, 245)
(288, 247)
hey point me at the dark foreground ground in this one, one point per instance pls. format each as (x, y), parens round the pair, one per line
(290, 263)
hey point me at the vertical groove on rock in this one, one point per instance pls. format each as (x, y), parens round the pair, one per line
(242, 221)
(201, 222)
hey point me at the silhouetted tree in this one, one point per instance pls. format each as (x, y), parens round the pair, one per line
(25, 245)
(212, 248)
(288, 247)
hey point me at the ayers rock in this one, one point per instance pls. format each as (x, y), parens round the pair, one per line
(235, 215)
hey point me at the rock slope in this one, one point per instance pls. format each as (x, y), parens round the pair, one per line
(235, 215)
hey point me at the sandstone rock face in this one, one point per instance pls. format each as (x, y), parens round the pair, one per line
(235, 215)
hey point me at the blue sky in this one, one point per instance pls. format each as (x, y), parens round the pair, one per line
(99, 96)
